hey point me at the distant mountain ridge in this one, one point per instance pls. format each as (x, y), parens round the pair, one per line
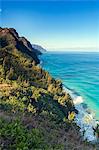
(39, 48)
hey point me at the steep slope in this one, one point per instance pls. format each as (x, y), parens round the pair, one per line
(18, 64)
(10, 39)
(35, 111)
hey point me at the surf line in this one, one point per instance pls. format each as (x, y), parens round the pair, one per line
(84, 119)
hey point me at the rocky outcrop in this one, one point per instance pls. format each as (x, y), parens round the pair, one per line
(9, 36)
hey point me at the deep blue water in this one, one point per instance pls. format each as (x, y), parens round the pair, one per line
(78, 71)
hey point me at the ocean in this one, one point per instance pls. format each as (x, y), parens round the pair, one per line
(79, 71)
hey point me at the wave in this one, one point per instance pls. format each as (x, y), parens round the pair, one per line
(77, 99)
(85, 118)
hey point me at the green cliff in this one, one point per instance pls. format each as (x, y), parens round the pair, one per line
(35, 112)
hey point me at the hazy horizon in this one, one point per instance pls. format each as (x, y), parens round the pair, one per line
(54, 24)
(74, 49)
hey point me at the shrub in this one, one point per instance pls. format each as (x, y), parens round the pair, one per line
(15, 136)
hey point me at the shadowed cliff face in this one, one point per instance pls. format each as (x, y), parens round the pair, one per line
(9, 37)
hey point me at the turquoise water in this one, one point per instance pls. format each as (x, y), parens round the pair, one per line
(78, 71)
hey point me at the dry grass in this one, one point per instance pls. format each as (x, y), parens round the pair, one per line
(5, 86)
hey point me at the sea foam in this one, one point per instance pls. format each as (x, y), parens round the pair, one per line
(83, 119)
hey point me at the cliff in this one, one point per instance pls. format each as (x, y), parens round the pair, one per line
(9, 37)
(35, 111)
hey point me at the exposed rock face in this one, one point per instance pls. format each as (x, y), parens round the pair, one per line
(9, 36)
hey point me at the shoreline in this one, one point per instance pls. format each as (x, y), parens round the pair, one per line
(84, 119)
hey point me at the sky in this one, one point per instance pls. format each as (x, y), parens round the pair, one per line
(54, 24)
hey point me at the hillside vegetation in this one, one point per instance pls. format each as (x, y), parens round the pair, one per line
(35, 112)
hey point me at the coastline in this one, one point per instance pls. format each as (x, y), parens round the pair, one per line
(34, 105)
(84, 119)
